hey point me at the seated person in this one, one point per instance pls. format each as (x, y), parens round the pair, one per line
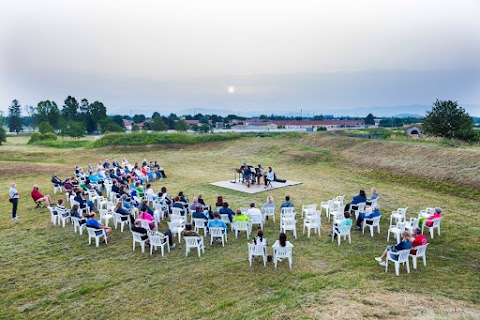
(149, 192)
(418, 239)
(217, 223)
(188, 232)
(145, 208)
(361, 216)
(115, 186)
(373, 196)
(121, 210)
(93, 223)
(82, 202)
(106, 164)
(137, 227)
(359, 198)
(115, 164)
(260, 240)
(282, 242)
(101, 175)
(269, 177)
(60, 208)
(194, 204)
(226, 210)
(429, 222)
(93, 178)
(219, 202)
(68, 185)
(404, 244)
(200, 214)
(147, 216)
(240, 217)
(91, 187)
(177, 204)
(287, 203)
(164, 196)
(182, 198)
(56, 180)
(200, 200)
(160, 169)
(74, 212)
(37, 196)
(139, 188)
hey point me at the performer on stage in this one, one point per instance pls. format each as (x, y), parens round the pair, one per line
(246, 173)
(259, 173)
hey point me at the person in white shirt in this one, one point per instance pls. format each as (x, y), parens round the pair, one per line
(253, 210)
(260, 240)
(282, 242)
(270, 177)
(13, 195)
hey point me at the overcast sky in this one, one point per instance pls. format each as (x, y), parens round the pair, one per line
(241, 55)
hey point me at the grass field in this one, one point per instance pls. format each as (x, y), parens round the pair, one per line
(50, 272)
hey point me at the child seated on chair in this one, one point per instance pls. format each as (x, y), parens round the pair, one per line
(403, 245)
(74, 212)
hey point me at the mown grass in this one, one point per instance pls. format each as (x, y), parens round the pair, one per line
(63, 144)
(50, 272)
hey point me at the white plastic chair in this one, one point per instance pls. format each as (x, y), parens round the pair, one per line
(329, 206)
(178, 211)
(257, 251)
(200, 224)
(105, 215)
(57, 187)
(339, 202)
(268, 212)
(158, 240)
(194, 242)
(63, 216)
(421, 252)
(287, 210)
(397, 231)
(177, 227)
(54, 216)
(117, 218)
(218, 233)
(224, 218)
(137, 237)
(399, 215)
(344, 231)
(435, 224)
(312, 221)
(289, 225)
(92, 233)
(402, 259)
(77, 225)
(256, 219)
(308, 208)
(375, 222)
(360, 208)
(242, 226)
(282, 253)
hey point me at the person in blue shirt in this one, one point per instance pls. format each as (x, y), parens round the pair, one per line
(93, 178)
(359, 198)
(226, 210)
(93, 223)
(403, 245)
(217, 223)
(361, 216)
(287, 203)
(82, 202)
(200, 214)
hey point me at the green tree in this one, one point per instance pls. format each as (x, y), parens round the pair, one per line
(448, 120)
(181, 125)
(138, 118)
(155, 114)
(194, 127)
(135, 128)
(118, 120)
(70, 109)
(48, 111)
(14, 119)
(204, 128)
(370, 119)
(45, 127)
(95, 113)
(113, 127)
(76, 129)
(158, 124)
(3, 135)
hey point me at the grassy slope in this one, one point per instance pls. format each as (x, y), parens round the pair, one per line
(51, 272)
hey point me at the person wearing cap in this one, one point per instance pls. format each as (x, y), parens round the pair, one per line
(13, 195)
(93, 223)
(37, 196)
(361, 216)
(418, 239)
(437, 214)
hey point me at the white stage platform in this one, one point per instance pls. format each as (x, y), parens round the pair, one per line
(253, 188)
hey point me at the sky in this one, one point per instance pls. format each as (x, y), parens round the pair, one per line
(242, 56)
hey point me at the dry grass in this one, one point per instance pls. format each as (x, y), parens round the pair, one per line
(50, 272)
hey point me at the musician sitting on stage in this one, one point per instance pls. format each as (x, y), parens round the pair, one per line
(259, 172)
(270, 177)
(245, 172)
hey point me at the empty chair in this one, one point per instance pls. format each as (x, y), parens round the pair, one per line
(178, 211)
(339, 202)
(256, 219)
(268, 212)
(289, 225)
(96, 234)
(177, 227)
(308, 208)
(118, 218)
(218, 233)
(312, 221)
(402, 258)
(54, 215)
(397, 230)
(194, 242)
(224, 218)
(329, 207)
(420, 252)
(242, 226)
(137, 237)
(280, 253)
(435, 224)
(399, 215)
(200, 223)
(105, 215)
(371, 223)
(57, 187)
(257, 251)
(158, 240)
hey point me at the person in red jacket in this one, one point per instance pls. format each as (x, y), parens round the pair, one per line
(418, 239)
(37, 196)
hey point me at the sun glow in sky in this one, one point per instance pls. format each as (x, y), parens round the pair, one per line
(157, 55)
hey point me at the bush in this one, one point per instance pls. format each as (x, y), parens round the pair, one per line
(321, 129)
(49, 136)
(45, 127)
(37, 137)
(3, 135)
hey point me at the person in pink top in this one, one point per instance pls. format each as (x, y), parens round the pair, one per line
(437, 214)
(149, 217)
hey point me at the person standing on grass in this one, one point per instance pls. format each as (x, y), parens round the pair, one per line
(13, 194)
